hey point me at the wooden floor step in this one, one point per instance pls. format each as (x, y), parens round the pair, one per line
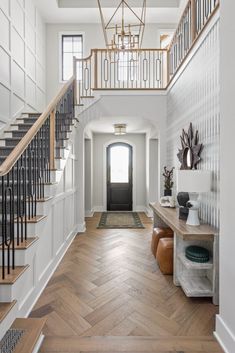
(32, 336)
(169, 344)
(25, 244)
(13, 276)
(5, 308)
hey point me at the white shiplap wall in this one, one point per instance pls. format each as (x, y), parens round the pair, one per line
(195, 98)
(22, 59)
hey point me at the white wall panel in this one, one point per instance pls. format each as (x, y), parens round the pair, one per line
(5, 102)
(30, 92)
(4, 30)
(40, 77)
(17, 104)
(17, 47)
(18, 80)
(30, 11)
(30, 36)
(23, 60)
(30, 64)
(195, 98)
(5, 6)
(4, 67)
(17, 16)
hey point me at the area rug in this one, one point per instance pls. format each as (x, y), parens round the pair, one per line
(120, 220)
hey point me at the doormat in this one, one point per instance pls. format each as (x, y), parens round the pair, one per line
(120, 220)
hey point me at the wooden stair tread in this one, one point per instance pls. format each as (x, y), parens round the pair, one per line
(5, 308)
(48, 198)
(14, 275)
(33, 330)
(34, 219)
(25, 244)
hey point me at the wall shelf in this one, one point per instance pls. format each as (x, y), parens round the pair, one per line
(190, 265)
(196, 286)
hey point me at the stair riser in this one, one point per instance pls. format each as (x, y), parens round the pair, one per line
(20, 289)
(8, 320)
(23, 257)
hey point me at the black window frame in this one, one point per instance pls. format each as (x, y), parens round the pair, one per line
(64, 35)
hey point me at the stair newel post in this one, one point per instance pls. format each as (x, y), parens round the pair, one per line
(95, 70)
(193, 20)
(52, 140)
(75, 95)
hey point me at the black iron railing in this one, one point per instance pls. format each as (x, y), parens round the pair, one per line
(26, 169)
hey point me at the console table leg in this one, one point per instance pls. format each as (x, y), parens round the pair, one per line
(175, 270)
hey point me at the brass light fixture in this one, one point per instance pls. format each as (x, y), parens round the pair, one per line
(119, 129)
(118, 33)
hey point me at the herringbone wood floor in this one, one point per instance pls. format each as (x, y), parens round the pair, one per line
(108, 295)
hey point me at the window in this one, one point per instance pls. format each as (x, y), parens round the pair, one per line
(71, 45)
(119, 164)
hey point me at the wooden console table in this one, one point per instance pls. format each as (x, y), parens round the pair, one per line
(196, 279)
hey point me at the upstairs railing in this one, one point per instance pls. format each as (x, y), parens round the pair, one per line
(194, 19)
(148, 69)
(27, 169)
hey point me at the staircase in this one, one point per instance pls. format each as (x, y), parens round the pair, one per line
(33, 155)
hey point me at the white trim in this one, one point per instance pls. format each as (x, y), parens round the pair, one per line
(89, 213)
(105, 146)
(38, 343)
(224, 335)
(81, 228)
(60, 34)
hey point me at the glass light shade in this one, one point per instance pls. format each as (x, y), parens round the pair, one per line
(193, 181)
(119, 129)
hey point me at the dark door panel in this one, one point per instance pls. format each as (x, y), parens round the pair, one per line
(119, 194)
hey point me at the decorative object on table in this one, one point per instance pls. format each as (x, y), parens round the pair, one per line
(167, 201)
(168, 182)
(189, 154)
(120, 220)
(197, 254)
(194, 182)
(183, 198)
(159, 233)
(164, 255)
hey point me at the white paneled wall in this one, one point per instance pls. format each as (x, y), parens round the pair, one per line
(22, 58)
(195, 98)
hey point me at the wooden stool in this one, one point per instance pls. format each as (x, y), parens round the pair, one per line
(159, 233)
(165, 255)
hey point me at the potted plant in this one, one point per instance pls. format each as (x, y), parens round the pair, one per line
(168, 183)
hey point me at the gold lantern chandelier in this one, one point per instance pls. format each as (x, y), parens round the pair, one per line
(121, 33)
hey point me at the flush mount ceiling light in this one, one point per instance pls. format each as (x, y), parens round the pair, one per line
(119, 129)
(120, 32)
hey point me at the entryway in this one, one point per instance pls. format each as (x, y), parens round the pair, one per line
(119, 177)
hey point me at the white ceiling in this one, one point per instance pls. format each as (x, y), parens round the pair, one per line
(86, 11)
(134, 125)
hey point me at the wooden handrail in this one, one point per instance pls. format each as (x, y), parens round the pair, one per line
(15, 154)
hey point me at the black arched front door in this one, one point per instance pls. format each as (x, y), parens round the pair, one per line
(119, 177)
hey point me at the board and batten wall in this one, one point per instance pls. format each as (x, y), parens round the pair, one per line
(194, 97)
(22, 58)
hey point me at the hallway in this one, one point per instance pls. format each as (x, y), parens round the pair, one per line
(108, 284)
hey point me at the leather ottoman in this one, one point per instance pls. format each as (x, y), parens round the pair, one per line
(165, 255)
(159, 233)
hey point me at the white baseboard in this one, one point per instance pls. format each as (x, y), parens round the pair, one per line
(89, 213)
(224, 335)
(149, 212)
(99, 209)
(81, 228)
